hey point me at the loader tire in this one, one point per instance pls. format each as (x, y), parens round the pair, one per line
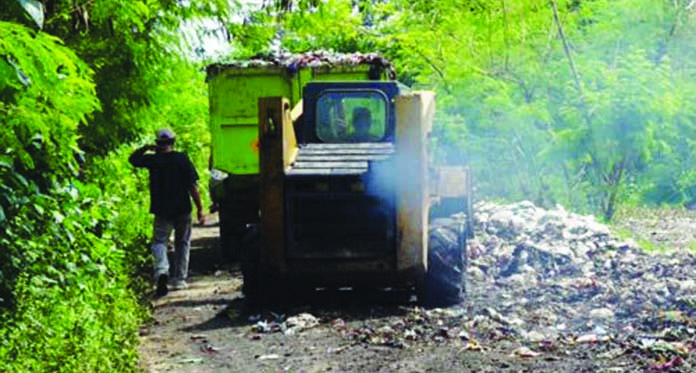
(252, 285)
(260, 288)
(444, 283)
(231, 236)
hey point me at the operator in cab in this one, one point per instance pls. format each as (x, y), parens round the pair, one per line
(362, 121)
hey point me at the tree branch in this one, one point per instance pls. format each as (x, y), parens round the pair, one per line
(437, 70)
(569, 56)
(566, 48)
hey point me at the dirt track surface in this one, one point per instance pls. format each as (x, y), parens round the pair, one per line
(208, 328)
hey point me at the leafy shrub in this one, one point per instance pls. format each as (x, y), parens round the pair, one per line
(74, 306)
(72, 264)
(69, 254)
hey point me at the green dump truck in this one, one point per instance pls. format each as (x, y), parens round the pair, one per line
(327, 162)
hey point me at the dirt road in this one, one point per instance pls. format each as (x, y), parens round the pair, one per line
(207, 328)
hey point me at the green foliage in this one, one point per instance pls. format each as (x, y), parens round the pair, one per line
(73, 235)
(46, 93)
(67, 298)
(303, 26)
(585, 103)
(692, 246)
(133, 49)
(74, 308)
(40, 137)
(593, 117)
(343, 30)
(572, 127)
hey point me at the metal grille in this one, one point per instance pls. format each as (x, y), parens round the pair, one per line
(331, 211)
(339, 225)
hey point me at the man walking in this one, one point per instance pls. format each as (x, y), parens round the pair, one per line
(172, 185)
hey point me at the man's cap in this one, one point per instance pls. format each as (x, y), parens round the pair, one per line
(165, 134)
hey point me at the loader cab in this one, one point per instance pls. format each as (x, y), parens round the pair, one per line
(348, 112)
(338, 202)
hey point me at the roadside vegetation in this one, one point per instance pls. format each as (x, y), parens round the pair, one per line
(81, 85)
(587, 104)
(665, 229)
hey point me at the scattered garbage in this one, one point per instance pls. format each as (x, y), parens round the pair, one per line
(525, 352)
(551, 275)
(544, 280)
(591, 338)
(668, 365)
(301, 322)
(208, 348)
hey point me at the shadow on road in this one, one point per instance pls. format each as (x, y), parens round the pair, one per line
(227, 317)
(325, 304)
(205, 257)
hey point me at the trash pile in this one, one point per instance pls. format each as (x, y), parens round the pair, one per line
(292, 62)
(548, 280)
(565, 273)
(550, 277)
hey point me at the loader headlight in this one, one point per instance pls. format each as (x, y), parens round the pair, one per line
(357, 187)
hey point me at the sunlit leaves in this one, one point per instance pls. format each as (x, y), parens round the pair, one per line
(51, 222)
(43, 116)
(500, 67)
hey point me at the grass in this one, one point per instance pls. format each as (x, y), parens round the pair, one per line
(656, 229)
(692, 246)
(624, 233)
(652, 247)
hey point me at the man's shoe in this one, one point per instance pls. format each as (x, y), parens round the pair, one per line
(179, 285)
(162, 286)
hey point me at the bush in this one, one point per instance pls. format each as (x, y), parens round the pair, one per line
(69, 255)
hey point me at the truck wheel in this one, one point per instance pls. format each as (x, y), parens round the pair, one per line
(251, 287)
(260, 288)
(231, 232)
(444, 283)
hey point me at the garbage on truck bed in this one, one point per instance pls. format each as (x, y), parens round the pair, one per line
(316, 59)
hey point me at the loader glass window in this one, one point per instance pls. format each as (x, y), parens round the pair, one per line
(351, 116)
